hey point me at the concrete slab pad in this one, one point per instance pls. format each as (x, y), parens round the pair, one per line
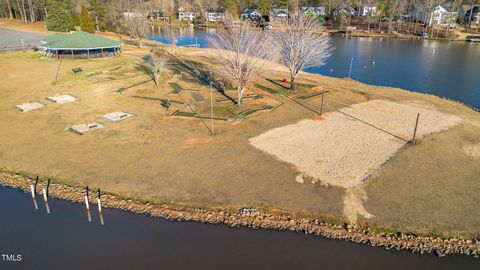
(29, 106)
(117, 116)
(62, 99)
(84, 128)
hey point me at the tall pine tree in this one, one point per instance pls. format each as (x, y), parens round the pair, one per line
(59, 15)
(86, 21)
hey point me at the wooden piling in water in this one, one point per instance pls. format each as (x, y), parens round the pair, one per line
(48, 185)
(35, 186)
(45, 200)
(32, 190)
(87, 205)
(100, 214)
(99, 201)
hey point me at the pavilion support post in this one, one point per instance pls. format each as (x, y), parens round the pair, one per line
(73, 57)
(102, 51)
(88, 52)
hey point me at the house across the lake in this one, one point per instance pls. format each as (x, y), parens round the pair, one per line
(80, 45)
(184, 15)
(344, 9)
(251, 14)
(367, 10)
(215, 16)
(318, 11)
(442, 16)
(279, 15)
(472, 15)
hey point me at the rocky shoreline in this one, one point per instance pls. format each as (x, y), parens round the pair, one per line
(255, 219)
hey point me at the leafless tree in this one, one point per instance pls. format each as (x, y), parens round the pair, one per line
(428, 7)
(156, 63)
(203, 6)
(303, 43)
(172, 36)
(137, 27)
(370, 4)
(240, 54)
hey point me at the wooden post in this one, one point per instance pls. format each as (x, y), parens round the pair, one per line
(88, 53)
(36, 182)
(58, 69)
(87, 205)
(100, 214)
(32, 190)
(73, 57)
(99, 201)
(323, 97)
(415, 130)
(45, 200)
(48, 185)
(211, 105)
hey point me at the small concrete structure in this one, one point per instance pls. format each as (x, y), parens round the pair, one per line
(117, 116)
(62, 99)
(83, 128)
(29, 106)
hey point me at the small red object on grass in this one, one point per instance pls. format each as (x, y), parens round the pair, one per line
(285, 80)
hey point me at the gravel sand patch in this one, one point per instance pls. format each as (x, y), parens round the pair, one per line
(472, 150)
(343, 150)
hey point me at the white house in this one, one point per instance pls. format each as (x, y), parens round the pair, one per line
(441, 16)
(367, 11)
(133, 14)
(345, 9)
(186, 15)
(251, 14)
(279, 15)
(215, 16)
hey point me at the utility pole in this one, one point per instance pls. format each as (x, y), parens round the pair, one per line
(415, 130)
(211, 105)
(323, 97)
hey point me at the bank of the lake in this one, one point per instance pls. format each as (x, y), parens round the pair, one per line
(264, 219)
(442, 68)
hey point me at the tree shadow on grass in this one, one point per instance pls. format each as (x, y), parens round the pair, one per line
(198, 73)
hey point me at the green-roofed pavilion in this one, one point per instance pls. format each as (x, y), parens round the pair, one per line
(80, 45)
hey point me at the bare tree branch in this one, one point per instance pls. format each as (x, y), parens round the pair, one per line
(137, 27)
(156, 63)
(241, 54)
(303, 43)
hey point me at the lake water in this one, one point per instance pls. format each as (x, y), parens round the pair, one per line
(448, 69)
(65, 239)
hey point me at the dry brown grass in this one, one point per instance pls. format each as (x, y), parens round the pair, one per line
(431, 186)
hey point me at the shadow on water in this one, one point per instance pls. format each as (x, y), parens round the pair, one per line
(66, 240)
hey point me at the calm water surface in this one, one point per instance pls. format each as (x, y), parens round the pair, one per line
(65, 240)
(449, 69)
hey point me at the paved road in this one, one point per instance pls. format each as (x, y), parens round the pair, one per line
(12, 39)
